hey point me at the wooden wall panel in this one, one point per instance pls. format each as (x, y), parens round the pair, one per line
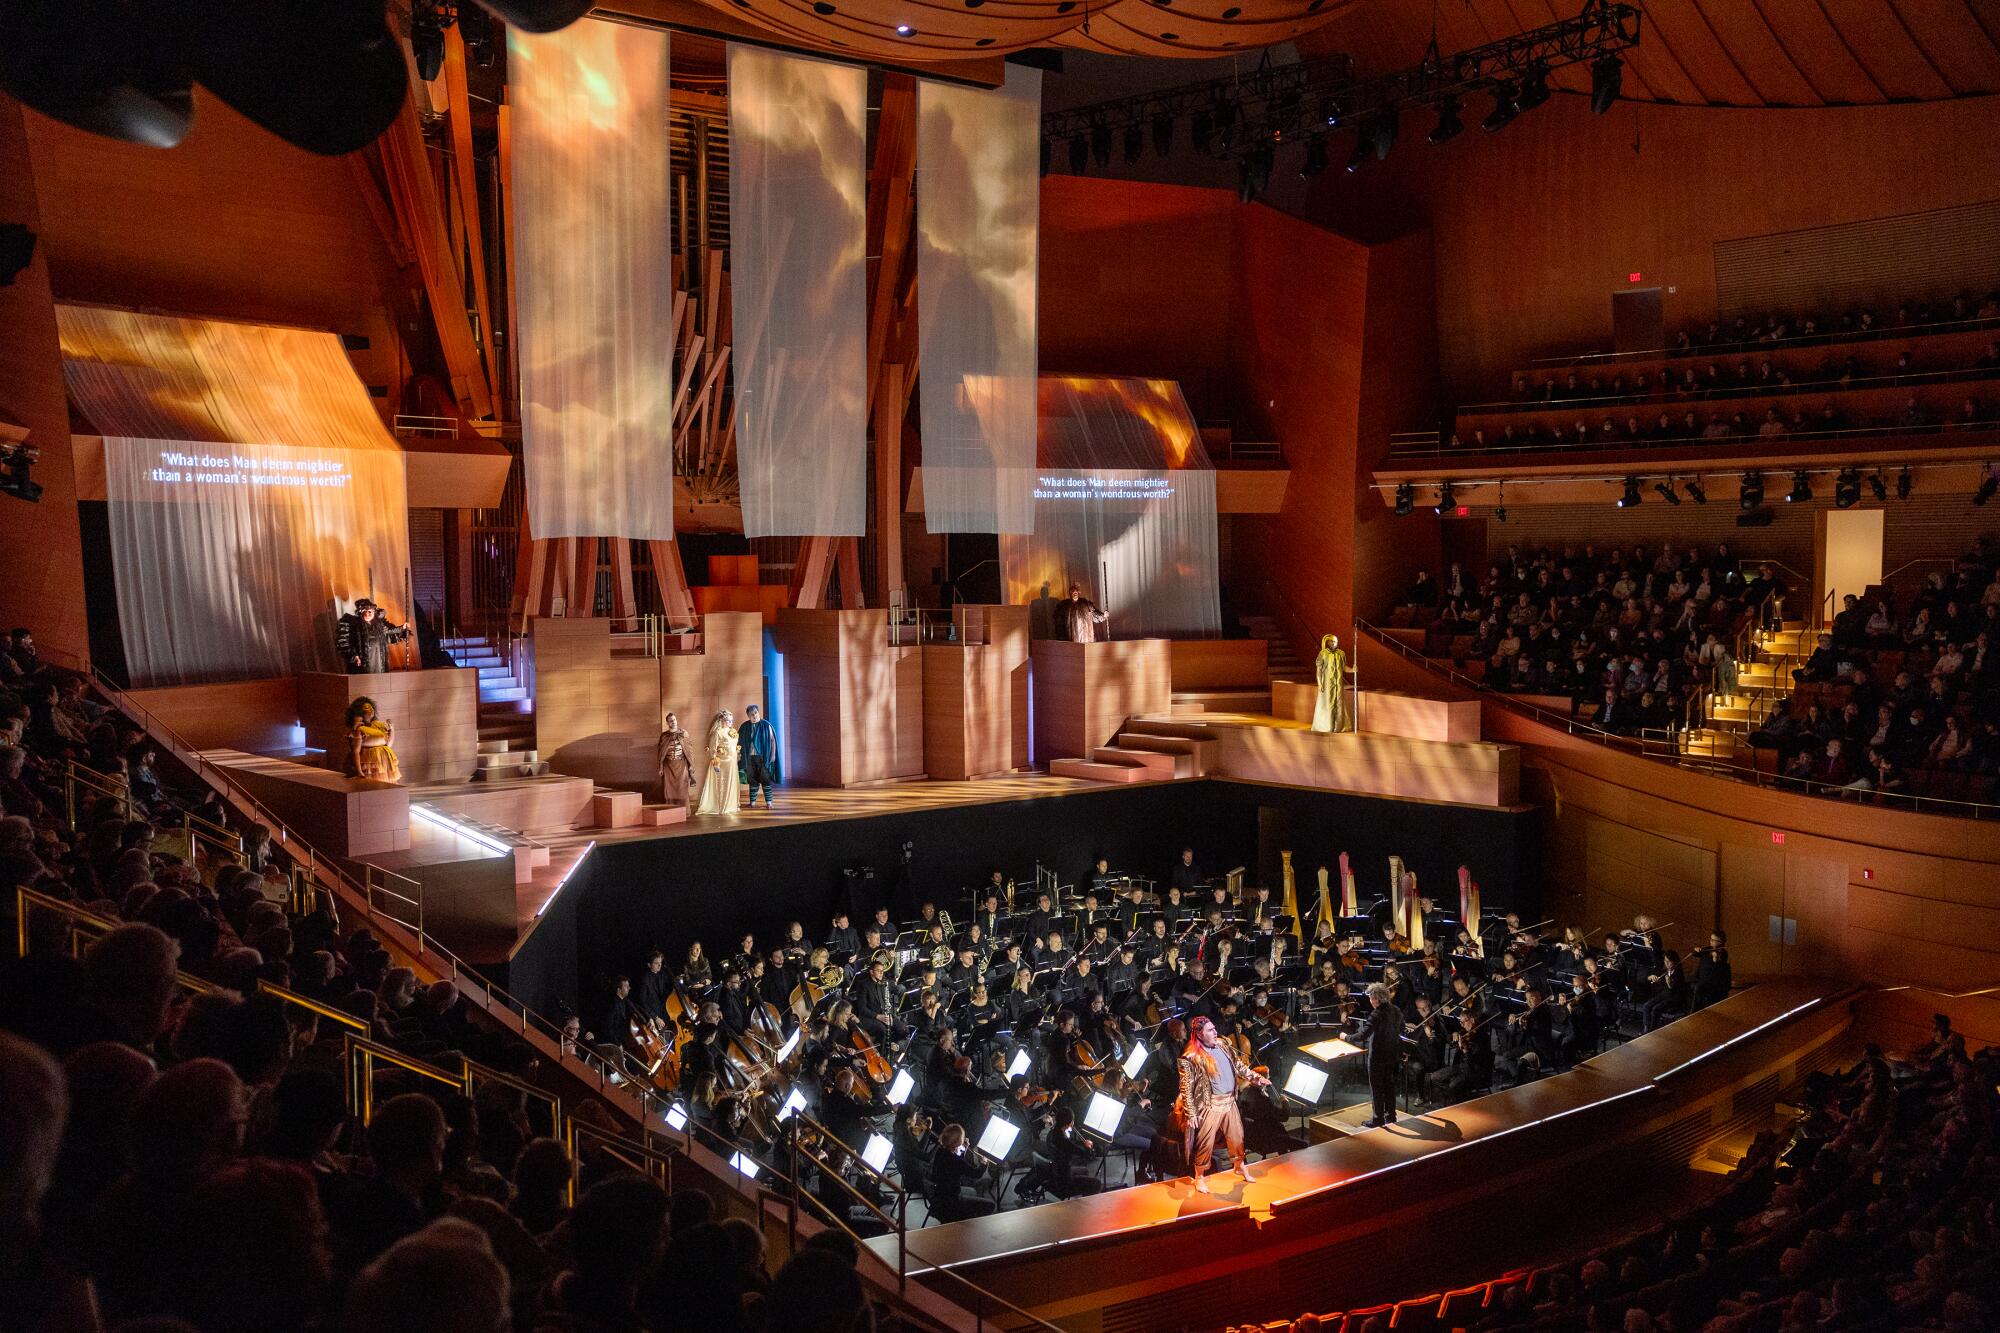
(41, 560)
(1084, 692)
(854, 702)
(976, 696)
(597, 716)
(1649, 189)
(436, 715)
(255, 716)
(1219, 664)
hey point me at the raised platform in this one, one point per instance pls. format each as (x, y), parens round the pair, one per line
(1327, 1225)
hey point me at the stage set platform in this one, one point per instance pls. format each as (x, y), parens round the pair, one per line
(874, 721)
(1319, 1227)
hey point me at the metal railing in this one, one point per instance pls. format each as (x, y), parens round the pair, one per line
(1671, 753)
(1494, 449)
(659, 636)
(1834, 338)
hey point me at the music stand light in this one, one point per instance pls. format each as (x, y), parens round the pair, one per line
(1306, 1082)
(997, 1139)
(1333, 1048)
(876, 1152)
(745, 1167)
(1103, 1115)
(900, 1088)
(677, 1117)
(1020, 1063)
(1136, 1059)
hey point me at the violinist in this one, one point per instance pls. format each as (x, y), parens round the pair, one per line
(1528, 1049)
(1324, 946)
(1399, 989)
(1069, 1153)
(1465, 996)
(1426, 1038)
(1426, 980)
(1712, 976)
(1100, 947)
(1468, 1064)
(1668, 993)
(1192, 987)
(1644, 936)
(1498, 934)
(1082, 981)
(963, 1097)
(1066, 1056)
(1585, 1034)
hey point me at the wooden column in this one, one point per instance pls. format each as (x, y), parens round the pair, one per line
(624, 602)
(890, 405)
(811, 572)
(676, 602)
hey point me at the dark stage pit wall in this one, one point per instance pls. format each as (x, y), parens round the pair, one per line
(629, 895)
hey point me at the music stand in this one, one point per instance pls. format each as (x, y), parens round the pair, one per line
(745, 1166)
(996, 1140)
(1103, 1115)
(900, 1088)
(1135, 1060)
(876, 1151)
(677, 1117)
(1021, 1062)
(795, 1101)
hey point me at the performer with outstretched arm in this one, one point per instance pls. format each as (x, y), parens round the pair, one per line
(1211, 1074)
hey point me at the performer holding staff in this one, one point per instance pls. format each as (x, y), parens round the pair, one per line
(1077, 617)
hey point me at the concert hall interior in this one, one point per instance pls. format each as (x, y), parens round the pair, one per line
(1152, 666)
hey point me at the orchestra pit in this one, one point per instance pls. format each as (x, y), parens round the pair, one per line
(1162, 666)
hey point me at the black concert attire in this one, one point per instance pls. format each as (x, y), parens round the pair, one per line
(1385, 1051)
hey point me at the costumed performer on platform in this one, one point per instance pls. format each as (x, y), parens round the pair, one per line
(1385, 1054)
(676, 764)
(722, 790)
(363, 636)
(1211, 1074)
(758, 740)
(1077, 617)
(369, 753)
(1330, 704)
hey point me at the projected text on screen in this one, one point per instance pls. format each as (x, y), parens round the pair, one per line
(1093, 486)
(181, 469)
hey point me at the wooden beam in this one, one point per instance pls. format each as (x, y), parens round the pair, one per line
(847, 564)
(465, 195)
(624, 602)
(890, 405)
(810, 573)
(676, 602)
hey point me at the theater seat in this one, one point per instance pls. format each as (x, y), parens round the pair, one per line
(1461, 1308)
(1418, 1313)
(1358, 1319)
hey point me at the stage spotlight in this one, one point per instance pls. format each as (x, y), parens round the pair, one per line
(1447, 501)
(1135, 143)
(1316, 157)
(1358, 156)
(1505, 108)
(1079, 154)
(1879, 487)
(1201, 130)
(1100, 144)
(1379, 132)
(1752, 493)
(1847, 489)
(1534, 88)
(1450, 121)
(1406, 500)
(1254, 174)
(1987, 485)
(1905, 483)
(1500, 514)
(1337, 111)
(14, 478)
(427, 40)
(1696, 491)
(1667, 492)
(475, 28)
(87, 63)
(1607, 78)
(1163, 134)
(1630, 499)
(1801, 491)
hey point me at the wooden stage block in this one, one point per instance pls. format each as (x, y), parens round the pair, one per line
(976, 695)
(1219, 664)
(436, 714)
(1293, 701)
(854, 702)
(1391, 713)
(1084, 692)
(614, 809)
(255, 716)
(660, 816)
(339, 815)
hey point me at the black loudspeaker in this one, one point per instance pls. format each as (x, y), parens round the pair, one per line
(17, 250)
(1756, 518)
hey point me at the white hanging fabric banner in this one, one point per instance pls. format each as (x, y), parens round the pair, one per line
(798, 202)
(593, 278)
(978, 248)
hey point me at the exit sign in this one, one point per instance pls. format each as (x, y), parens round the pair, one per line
(1634, 277)
(1777, 835)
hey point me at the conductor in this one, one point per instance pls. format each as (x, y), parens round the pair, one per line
(1385, 1051)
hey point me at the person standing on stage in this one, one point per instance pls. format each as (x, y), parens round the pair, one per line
(759, 742)
(1211, 1073)
(1077, 617)
(721, 790)
(676, 765)
(363, 636)
(1385, 1053)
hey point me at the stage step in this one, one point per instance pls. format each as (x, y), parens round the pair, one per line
(1099, 771)
(1222, 701)
(1195, 754)
(501, 693)
(1159, 764)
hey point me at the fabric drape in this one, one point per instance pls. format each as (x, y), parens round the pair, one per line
(978, 183)
(1142, 543)
(798, 292)
(593, 278)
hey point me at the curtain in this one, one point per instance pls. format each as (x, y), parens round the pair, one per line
(798, 289)
(229, 559)
(978, 183)
(593, 279)
(1141, 542)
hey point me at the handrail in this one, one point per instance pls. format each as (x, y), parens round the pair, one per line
(312, 1006)
(1835, 338)
(1699, 763)
(24, 897)
(1494, 450)
(361, 1054)
(1790, 388)
(476, 1073)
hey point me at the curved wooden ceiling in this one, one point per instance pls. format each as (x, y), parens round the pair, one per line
(1720, 52)
(912, 31)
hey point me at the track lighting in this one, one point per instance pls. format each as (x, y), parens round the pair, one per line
(1607, 78)
(1801, 492)
(1905, 483)
(1879, 487)
(1505, 108)
(1630, 499)
(1696, 491)
(1406, 500)
(1534, 88)
(1447, 501)
(1752, 492)
(1847, 489)
(1450, 123)
(1667, 492)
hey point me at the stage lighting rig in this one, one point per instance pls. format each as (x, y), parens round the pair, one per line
(1667, 492)
(1696, 491)
(1277, 104)
(1751, 494)
(1847, 489)
(1630, 498)
(1802, 491)
(1905, 483)
(1879, 487)
(1447, 500)
(1406, 500)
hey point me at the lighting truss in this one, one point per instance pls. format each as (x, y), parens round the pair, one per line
(1279, 104)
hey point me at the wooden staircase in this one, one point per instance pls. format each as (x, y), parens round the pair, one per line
(1146, 752)
(1761, 685)
(506, 713)
(1281, 661)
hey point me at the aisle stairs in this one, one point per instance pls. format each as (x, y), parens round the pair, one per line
(1762, 683)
